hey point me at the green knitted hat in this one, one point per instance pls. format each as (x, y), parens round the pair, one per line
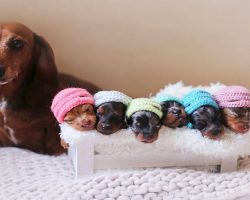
(144, 104)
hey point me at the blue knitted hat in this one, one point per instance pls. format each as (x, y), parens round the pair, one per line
(165, 97)
(196, 99)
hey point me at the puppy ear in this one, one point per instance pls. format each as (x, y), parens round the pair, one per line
(44, 77)
(124, 124)
(128, 122)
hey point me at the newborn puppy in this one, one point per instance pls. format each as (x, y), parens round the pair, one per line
(74, 106)
(174, 114)
(236, 119)
(110, 117)
(143, 116)
(81, 118)
(234, 102)
(208, 121)
(204, 114)
(110, 110)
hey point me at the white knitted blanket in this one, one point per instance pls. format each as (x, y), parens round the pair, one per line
(26, 175)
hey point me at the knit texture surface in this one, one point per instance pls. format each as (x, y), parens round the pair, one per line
(165, 98)
(69, 98)
(26, 175)
(233, 96)
(111, 96)
(144, 104)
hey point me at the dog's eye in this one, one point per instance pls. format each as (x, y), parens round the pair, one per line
(16, 44)
(137, 124)
(158, 126)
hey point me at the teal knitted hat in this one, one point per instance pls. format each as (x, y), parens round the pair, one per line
(196, 99)
(165, 97)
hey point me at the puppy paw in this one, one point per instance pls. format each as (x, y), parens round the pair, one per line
(64, 144)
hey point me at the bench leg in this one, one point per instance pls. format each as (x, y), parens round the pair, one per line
(82, 156)
(229, 164)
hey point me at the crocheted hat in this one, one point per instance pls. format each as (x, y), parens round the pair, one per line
(144, 104)
(196, 99)
(165, 97)
(233, 96)
(111, 96)
(67, 99)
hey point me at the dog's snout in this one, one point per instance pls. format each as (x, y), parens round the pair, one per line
(216, 132)
(2, 70)
(176, 111)
(148, 135)
(105, 126)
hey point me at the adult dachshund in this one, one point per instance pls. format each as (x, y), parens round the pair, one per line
(28, 82)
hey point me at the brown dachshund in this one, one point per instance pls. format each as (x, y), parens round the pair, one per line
(28, 82)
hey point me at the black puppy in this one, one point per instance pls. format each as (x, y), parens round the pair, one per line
(110, 111)
(143, 116)
(204, 114)
(208, 121)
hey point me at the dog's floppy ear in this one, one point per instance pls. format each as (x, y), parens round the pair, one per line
(127, 122)
(44, 79)
(45, 70)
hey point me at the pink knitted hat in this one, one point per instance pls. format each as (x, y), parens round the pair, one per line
(67, 99)
(233, 96)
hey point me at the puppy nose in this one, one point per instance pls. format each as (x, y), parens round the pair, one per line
(148, 135)
(176, 111)
(105, 126)
(86, 122)
(2, 70)
(216, 132)
(246, 126)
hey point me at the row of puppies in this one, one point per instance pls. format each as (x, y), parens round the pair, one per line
(110, 111)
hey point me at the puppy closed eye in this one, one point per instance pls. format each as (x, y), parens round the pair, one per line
(89, 111)
(69, 121)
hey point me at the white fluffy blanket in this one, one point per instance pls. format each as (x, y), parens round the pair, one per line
(180, 139)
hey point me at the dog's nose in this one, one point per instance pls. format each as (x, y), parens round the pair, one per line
(2, 71)
(176, 111)
(105, 126)
(216, 132)
(148, 135)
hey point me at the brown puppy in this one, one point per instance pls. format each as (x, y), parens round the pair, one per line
(174, 114)
(28, 82)
(234, 103)
(236, 119)
(81, 118)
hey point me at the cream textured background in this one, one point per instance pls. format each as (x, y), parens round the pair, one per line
(139, 46)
